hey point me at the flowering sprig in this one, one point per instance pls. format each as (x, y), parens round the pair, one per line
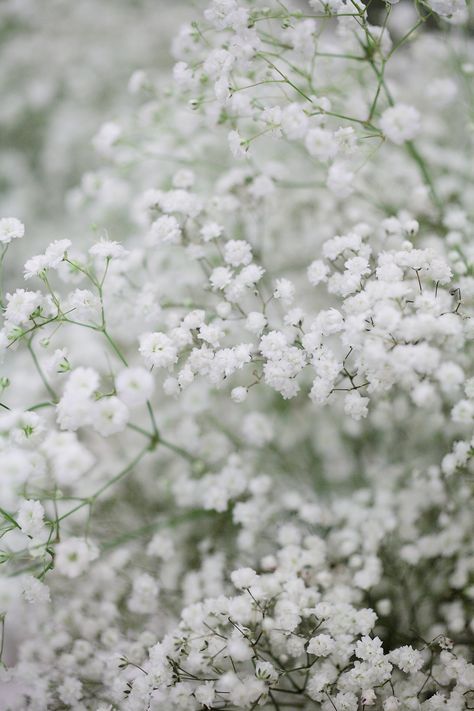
(240, 472)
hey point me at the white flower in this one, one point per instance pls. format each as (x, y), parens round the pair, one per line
(250, 275)
(82, 382)
(355, 405)
(237, 252)
(368, 697)
(317, 272)
(238, 649)
(284, 290)
(328, 322)
(109, 416)
(220, 277)
(239, 394)
(58, 362)
(294, 121)
(22, 304)
(158, 350)
(144, 595)
(181, 201)
(226, 13)
(165, 230)
(244, 578)
(407, 659)
(400, 123)
(321, 646)
(34, 591)
(106, 249)
(35, 266)
(23, 427)
(463, 412)
(266, 671)
(369, 649)
(205, 694)
(237, 145)
(138, 81)
(84, 304)
(10, 228)
(321, 144)
(255, 322)
(73, 556)
(257, 429)
(340, 179)
(49, 260)
(31, 518)
(455, 9)
(134, 386)
(210, 231)
(70, 691)
(107, 136)
(162, 546)
(211, 333)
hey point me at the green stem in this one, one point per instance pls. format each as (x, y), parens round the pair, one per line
(121, 474)
(153, 421)
(48, 387)
(2, 257)
(179, 450)
(288, 81)
(115, 347)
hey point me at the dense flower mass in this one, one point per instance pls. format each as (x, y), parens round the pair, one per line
(236, 425)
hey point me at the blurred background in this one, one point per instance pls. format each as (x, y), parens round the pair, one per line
(65, 70)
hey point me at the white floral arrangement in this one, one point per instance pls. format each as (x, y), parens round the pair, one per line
(236, 427)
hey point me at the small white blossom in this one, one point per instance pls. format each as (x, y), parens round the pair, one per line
(74, 555)
(158, 350)
(134, 386)
(31, 518)
(400, 123)
(10, 228)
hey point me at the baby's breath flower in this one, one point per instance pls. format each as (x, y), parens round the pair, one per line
(400, 123)
(10, 228)
(236, 443)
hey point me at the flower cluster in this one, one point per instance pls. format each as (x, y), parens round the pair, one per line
(236, 425)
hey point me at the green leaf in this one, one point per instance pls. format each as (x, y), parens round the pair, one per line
(9, 517)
